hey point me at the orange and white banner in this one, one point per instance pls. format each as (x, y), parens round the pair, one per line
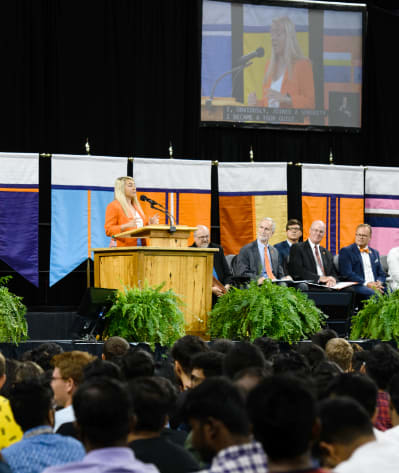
(249, 192)
(335, 195)
(182, 186)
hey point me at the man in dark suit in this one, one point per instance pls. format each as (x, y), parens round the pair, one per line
(259, 260)
(221, 271)
(361, 264)
(310, 261)
(294, 233)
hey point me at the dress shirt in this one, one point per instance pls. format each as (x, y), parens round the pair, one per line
(40, 448)
(261, 248)
(390, 434)
(246, 458)
(62, 416)
(319, 270)
(383, 419)
(106, 460)
(372, 457)
(368, 271)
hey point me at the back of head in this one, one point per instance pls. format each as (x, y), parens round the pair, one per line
(323, 336)
(43, 354)
(102, 408)
(115, 347)
(153, 399)
(340, 351)
(268, 346)
(222, 345)
(291, 362)
(242, 355)
(322, 376)
(382, 364)
(27, 370)
(185, 348)
(313, 353)
(343, 421)
(283, 412)
(71, 364)
(357, 386)
(359, 360)
(220, 399)
(31, 401)
(105, 368)
(2, 364)
(210, 362)
(136, 363)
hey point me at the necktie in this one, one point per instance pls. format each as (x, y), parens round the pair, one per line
(268, 266)
(319, 262)
(364, 250)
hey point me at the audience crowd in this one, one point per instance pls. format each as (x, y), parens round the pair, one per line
(219, 407)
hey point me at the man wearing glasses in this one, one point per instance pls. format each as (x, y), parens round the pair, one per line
(360, 263)
(294, 233)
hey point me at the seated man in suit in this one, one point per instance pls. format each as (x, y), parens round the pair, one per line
(259, 260)
(221, 269)
(294, 233)
(361, 264)
(310, 261)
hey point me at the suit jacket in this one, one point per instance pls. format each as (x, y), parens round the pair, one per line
(114, 218)
(220, 264)
(351, 264)
(249, 263)
(283, 249)
(302, 265)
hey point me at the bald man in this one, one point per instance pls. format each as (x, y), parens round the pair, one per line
(310, 261)
(221, 269)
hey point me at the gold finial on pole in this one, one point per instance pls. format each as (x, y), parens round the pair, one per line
(87, 146)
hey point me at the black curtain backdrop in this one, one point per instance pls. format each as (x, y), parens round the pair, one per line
(126, 75)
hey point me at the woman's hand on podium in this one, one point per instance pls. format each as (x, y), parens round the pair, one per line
(154, 219)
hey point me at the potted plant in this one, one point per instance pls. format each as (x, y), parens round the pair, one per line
(146, 315)
(13, 325)
(279, 312)
(379, 318)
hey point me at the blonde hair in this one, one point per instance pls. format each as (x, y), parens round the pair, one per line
(119, 193)
(292, 50)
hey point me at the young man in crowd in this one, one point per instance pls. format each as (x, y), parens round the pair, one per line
(103, 414)
(283, 415)
(31, 403)
(220, 428)
(340, 351)
(67, 374)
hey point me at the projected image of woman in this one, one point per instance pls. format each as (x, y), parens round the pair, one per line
(125, 212)
(288, 80)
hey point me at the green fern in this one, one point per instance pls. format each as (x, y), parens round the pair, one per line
(13, 325)
(275, 311)
(379, 318)
(146, 315)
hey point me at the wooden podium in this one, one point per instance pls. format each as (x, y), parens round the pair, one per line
(188, 271)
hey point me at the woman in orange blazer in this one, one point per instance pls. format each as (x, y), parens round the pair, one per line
(288, 80)
(125, 212)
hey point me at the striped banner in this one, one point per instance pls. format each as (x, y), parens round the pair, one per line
(382, 207)
(335, 195)
(19, 213)
(182, 186)
(247, 193)
(81, 189)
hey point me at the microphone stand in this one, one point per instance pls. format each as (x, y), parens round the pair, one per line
(236, 69)
(161, 209)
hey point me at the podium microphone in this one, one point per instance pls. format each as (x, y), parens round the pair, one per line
(260, 52)
(144, 198)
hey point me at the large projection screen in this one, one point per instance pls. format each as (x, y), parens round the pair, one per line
(273, 65)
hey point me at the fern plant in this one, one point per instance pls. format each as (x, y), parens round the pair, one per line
(379, 318)
(279, 312)
(146, 315)
(13, 325)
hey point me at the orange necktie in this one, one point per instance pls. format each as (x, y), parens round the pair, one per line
(268, 266)
(364, 250)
